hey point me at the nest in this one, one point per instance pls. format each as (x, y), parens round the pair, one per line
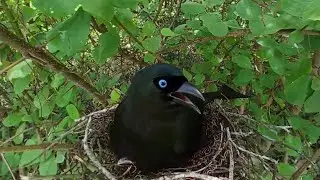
(221, 154)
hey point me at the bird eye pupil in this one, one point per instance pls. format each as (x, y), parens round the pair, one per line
(163, 83)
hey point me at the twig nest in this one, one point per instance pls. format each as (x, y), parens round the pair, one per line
(217, 156)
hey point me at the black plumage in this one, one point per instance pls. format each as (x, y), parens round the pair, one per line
(158, 123)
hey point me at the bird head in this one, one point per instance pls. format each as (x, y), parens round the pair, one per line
(165, 82)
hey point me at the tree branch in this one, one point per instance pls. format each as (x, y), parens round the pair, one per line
(36, 147)
(47, 59)
(233, 34)
(304, 166)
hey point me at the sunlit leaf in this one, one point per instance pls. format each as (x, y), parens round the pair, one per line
(73, 111)
(71, 35)
(108, 46)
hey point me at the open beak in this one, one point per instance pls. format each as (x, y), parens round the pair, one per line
(187, 88)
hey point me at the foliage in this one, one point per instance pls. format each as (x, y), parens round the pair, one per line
(261, 46)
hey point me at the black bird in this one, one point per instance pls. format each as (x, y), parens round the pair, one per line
(158, 123)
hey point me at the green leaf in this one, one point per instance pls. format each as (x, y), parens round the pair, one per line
(285, 169)
(58, 80)
(41, 97)
(149, 58)
(242, 61)
(214, 24)
(294, 7)
(152, 44)
(311, 11)
(54, 8)
(60, 157)
(70, 36)
(194, 24)
(64, 95)
(270, 134)
(277, 64)
(199, 78)
(148, 28)
(28, 13)
(13, 119)
(243, 77)
(13, 161)
(108, 46)
(192, 8)
(211, 3)
(20, 84)
(115, 96)
(114, 80)
(19, 134)
(187, 74)
(296, 92)
(272, 25)
(248, 9)
(268, 80)
(72, 111)
(167, 32)
(48, 167)
(125, 3)
(295, 37)
(293, 142)
(315, 83)
(312, 103)
(102, 9)
(20, 70)
(256, 26)
(30, 157)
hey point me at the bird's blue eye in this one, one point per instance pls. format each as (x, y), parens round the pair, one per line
(163, 83)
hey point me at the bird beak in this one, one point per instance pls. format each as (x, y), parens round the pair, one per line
(187, 88)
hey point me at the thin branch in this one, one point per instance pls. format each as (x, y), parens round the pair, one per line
(233, 34)
(189, 175)
(231, 168)
(305, 165)
(128, 32)
(47, 59)
(8, 166)
(36, 147)
(91, 155)
(249, 152)
(11, 65)
(62, 176)
(16, 135)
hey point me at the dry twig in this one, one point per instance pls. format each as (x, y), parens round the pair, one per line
(91, 155)
(8, 166)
